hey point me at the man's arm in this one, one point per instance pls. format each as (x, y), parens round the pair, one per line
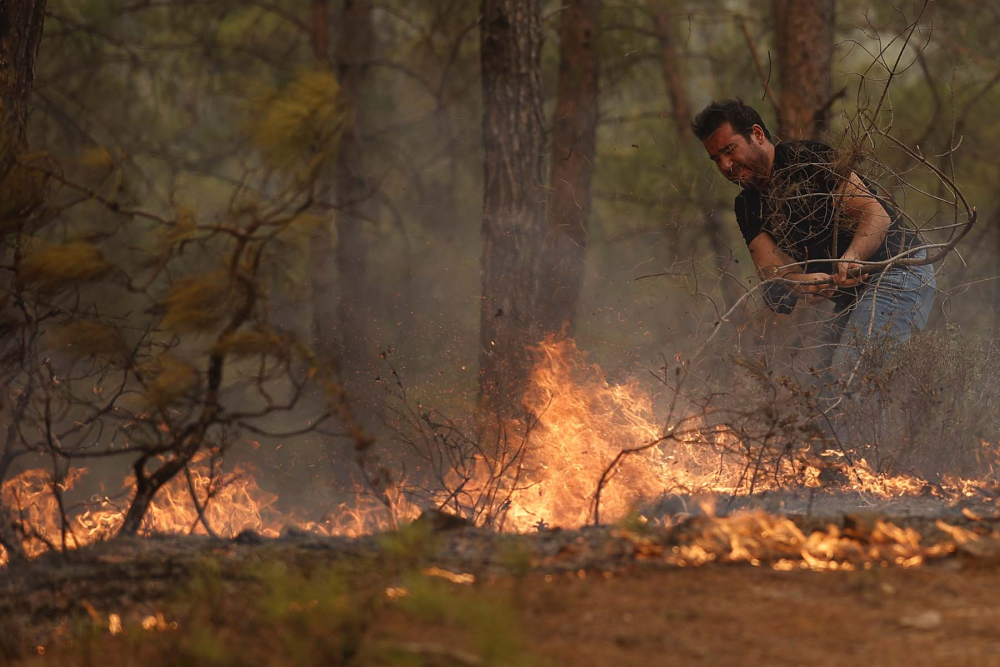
(870, 221)
(772, 262)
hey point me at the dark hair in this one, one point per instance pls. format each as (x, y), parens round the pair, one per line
(734, 112)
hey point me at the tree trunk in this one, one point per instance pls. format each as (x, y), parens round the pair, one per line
(574, 134)
(513, 229)
(674, 80)
(321, 32)
(20, 34)
(676, 88)
(995, 224)
(9, 538)
(804, 39)
(803, 32)
(322, 259)
(353, 193)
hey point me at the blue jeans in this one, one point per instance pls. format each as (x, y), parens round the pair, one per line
(896, 302)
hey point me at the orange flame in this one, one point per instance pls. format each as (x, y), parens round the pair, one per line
(758, 538)
(583, 424)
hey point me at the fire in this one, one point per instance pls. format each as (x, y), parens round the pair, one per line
(580, 427)
(759, 539)
(31, 496)
(584, 423)
(229, 503)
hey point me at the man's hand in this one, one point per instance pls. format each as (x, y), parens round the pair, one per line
(841, 276)
(812, 293)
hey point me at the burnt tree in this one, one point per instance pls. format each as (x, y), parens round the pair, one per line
(20, 34)
(21, 24)
(513, 228)
(804, 39)
(574, 135)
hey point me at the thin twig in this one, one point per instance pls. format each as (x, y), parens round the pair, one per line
(765, 77)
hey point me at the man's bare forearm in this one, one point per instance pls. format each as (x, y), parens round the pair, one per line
(872, 220)
(870, 233)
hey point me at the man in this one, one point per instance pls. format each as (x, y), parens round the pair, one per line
(811, 220)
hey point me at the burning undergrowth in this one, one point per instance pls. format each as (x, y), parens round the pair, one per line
(590, 451)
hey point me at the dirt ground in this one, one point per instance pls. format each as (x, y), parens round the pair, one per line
(722, 615)
(584, 598)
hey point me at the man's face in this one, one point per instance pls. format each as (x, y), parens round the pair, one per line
(744, 162)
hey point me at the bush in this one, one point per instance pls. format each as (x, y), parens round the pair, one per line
(940, 394)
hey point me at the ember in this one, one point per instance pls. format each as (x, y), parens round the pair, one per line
(758, 538)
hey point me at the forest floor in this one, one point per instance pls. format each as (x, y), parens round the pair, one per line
(623, 595)
(741, 615)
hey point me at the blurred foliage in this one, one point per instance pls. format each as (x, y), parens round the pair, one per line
(409, 546)
(22, 191)
(940, 393)
(167, 379)
(251, 344)
(298, 610)
(83, 338)
(301, 122)
(58, 267)
(199, 303)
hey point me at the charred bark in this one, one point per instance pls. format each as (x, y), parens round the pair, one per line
(804, 39)
(9, 538)
(574, 135)
(21, 24)
(513, 228)
(189, 443)
(20, 35)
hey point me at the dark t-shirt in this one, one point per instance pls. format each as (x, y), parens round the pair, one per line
(797, 208)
